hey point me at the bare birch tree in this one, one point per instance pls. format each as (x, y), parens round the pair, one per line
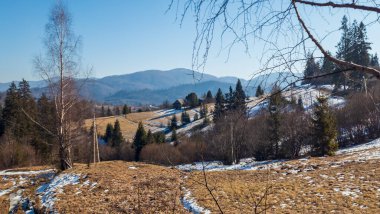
(59, 67)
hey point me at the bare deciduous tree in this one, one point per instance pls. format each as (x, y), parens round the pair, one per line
(59, 67)
(279, 25)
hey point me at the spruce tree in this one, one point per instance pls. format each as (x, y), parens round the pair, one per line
(28, 110)
(174, 137)
(275, 102)
(1, 121)
(139, 141)
(109, 112)
(327, 68)
(192, 100)
(203, 111)
(300, 103)
(108, 135)
(374, 61)
(239, 98)
(103, 112)
(219, 108)
(311, 69)
(150, 138)
(209, 97)
(117, 136)
(324, 129)
(230, 99)
(125, 110)
(174, 122)
(159, 137)
(185, 118)
(11, 109)
(196, 117)
(259, 91)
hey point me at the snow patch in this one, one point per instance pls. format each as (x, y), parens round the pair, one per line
(191, 204)
(48, 191)
(10, 172)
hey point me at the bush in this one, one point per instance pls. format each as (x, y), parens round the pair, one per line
(165, 154)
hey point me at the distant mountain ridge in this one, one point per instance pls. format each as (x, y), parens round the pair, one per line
(155, 86)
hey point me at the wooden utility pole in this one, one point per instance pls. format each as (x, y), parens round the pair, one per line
(95, 142)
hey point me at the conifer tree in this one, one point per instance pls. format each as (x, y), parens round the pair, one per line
(259, 91)
(117, 136)
(1, 121)
(27, 106)
(159, 137)
(174, 137)
(103, 112)
(209, 97)
(108, 135)
(324, 129)
(311, 69)
(203, 111)
(196, 117)
(139, 141)
(11, 109)
(374, 61)
(327, 68)
(125, 110)
(300, 103)
(185, 118)
(219, 108)
(192, 100)
(174, 122)
(229, 99)
(239, 98)
(274, 121)
(150, 138)
(109, 112)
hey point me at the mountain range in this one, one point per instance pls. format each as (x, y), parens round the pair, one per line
(155, 86)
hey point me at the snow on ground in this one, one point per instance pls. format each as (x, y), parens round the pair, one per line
(48, 191)
(363, 152)
(10, 172)
(191, 204)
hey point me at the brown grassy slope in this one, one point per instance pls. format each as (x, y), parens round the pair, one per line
(121, 189)
(353, 187)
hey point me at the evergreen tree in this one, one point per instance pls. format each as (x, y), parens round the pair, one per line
(259, 91)
(219, 108)
(109, 112)
(159, 137)
(324, 129)
(174, 122)
(229, 99)
(192, 100)
(1, 121)
(327, 68)
(196, 117)
(275, 102)
(239, 98)
(27, 106)
(300, 103)
(174, 137)
(203, 111)
(311, 69)
(46, 116)
(117, 136)
(108, 135)
(102, 113)
(209, 97)
(125, 110)
(343, 52)
(150, 138)
(139, 141)
(374, 61)
(11, 109)
(185, 118)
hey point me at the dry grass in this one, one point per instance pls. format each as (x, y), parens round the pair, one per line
(122, 189)
(351, 188)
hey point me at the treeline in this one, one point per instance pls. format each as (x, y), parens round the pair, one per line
(28, 126)
(284, 129)
(352, 47)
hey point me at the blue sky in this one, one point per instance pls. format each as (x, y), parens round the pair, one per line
(119, 37)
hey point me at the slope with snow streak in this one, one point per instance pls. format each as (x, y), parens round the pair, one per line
(363, 152)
